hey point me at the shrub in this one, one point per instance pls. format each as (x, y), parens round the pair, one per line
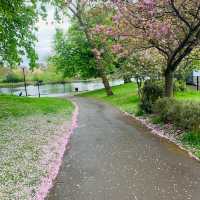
(179, 86)
(184, 115)
(151, 91)
(12, 78)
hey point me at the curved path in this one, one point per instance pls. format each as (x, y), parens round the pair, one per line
(112, 158)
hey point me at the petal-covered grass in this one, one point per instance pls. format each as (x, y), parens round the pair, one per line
(29, 127)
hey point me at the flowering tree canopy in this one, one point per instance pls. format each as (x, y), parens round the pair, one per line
(170, 26)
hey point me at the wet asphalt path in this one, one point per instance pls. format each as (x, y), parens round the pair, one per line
(112, 158)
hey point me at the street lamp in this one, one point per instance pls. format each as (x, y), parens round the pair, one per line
(39, 82)
(24, 75)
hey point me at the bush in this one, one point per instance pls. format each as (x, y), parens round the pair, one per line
(179, 86)
(184, 115)
(151, 91)
(12, 78)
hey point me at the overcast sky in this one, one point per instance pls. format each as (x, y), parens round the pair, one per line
(45, 35)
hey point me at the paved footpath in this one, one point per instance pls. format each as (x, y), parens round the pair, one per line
(112, 158)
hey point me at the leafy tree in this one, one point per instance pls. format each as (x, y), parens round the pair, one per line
(81, 11)
(141, 65)
(73, 54)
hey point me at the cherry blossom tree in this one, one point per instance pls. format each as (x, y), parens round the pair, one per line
(172, 27)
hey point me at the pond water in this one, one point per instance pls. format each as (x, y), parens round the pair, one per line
(59, 89)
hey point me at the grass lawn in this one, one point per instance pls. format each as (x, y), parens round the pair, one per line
(190, 94)
(125, 96)
(29, 129)
(14, 106)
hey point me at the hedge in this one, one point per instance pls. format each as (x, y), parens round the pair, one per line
(183, 114)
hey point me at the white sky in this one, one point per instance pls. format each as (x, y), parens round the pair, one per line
(45, 35)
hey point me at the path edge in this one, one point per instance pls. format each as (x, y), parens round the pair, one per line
(160, 134)
(47, 181)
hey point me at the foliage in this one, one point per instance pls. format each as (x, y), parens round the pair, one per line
(3, 72)
(191, 63)
(180, 86)
(47, 74)
(12, 78)
(82, 12)
(17, 27)
(184, 115)
(151, 91)
(141, 65)
(73, 54)
(170, 27)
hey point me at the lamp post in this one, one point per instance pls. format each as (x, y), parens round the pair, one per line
(25, 86)
(38, 86)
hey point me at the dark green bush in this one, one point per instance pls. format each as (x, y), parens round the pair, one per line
(151, 91)
(183, 114)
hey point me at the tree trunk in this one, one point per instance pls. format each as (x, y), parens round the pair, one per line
(139, 86)
(169, 77)
(106, 83)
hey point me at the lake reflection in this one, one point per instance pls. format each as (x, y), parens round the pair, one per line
(59, 89)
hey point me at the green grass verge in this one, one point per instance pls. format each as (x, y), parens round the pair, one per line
(14, 106)
(188, 95)
(125, 97)
(192, 141)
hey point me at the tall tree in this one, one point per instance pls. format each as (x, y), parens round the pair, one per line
(73, 54)
(79, 9)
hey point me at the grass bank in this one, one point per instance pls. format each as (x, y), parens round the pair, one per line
(29, 128)
(125, 97)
